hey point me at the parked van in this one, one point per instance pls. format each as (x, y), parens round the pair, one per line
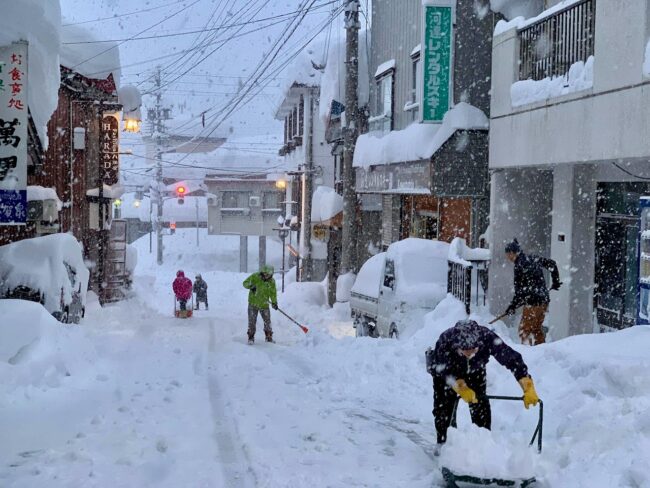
(399, 286)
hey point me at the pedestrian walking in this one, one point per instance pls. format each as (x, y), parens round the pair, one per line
(262, 291)
(182, 287)
(458, 366)
(531, 292)
(201, 291)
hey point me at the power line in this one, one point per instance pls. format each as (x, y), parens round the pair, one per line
(141, 32)
(187, 33)
(122, 15)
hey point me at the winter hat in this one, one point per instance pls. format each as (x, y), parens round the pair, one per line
(269, 270)
(179, 273)
(513, 247)
(466, 334)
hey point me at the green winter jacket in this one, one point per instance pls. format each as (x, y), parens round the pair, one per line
(265, 291)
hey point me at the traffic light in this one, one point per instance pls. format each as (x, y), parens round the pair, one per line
(180, 193)
(172, 227)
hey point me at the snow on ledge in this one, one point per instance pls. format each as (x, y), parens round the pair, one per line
(417, 141)
(646, 60)
(112, 192)
(326, 204)
(580, 77)
(521, 22)
(40, 193)
(384, 67)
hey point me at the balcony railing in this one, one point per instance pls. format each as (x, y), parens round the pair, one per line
(551, 45)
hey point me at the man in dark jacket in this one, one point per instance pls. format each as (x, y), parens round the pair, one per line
(458, 366)
(201, 291)
(531, 292)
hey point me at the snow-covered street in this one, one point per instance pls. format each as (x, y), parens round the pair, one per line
(134, 397)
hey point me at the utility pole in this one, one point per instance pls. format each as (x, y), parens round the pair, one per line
(156, 118)
(350, 132)
(308, 189)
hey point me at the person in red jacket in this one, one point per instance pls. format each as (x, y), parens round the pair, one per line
(182, 287)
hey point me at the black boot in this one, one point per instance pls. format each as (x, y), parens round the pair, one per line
(269, 338)
(251, 339)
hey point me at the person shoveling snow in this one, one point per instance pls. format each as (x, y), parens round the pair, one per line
(182, 287)
(458, 366)
(261, 286)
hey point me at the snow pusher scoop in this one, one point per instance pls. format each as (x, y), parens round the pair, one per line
(452, 478)
(302, 327)
(183, 314)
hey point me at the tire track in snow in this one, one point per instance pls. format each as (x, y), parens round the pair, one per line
(235, 462)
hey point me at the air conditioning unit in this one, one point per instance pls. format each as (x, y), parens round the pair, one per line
(254, 201)
(35, 210)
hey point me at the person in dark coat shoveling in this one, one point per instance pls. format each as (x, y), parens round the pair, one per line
(531, 292)
(201, 291)
(458, 366)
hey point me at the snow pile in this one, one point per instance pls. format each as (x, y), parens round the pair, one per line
(524, 18)
(460, 253)
(511, 9)
(131, 258)
(81, 53)
(479, 452)
(326, 204)
(369, 277)
(40, 193)
(131, 100)
(420, 270)
(417, 141)
(580, 77)
(646, 60)
(36, 350)
(40, 264)
(37, 22)
(332, 84)
(344, 284)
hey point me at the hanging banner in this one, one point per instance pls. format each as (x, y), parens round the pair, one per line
(437, 63)
(13, 134)
(110, 147)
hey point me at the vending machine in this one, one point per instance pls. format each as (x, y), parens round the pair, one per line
(643, 316)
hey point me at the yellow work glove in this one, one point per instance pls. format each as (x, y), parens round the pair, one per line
(464, 391)
(530, 395)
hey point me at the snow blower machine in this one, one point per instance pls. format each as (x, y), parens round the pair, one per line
(451, 478)
(184, 314)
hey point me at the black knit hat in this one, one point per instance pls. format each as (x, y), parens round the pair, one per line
(466, 334)
(513, 247)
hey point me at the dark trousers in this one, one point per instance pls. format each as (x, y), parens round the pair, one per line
(252, 321)
(201, 298)
(445, 403)
(182, 304)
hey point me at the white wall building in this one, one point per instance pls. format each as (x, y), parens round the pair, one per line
(570, 154)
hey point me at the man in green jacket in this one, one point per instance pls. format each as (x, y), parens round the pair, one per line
(262, 291)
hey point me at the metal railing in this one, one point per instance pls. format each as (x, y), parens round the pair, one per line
(551, 45)
(459, 282)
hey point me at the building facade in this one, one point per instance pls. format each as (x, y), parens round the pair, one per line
(429, 180)
(569, 156)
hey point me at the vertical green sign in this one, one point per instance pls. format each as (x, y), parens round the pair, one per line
(436, 65)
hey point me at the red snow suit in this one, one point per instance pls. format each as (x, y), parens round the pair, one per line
(182, 286)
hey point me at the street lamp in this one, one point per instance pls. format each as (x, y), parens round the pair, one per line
(283, 233)
(131, 124)
(281, 183)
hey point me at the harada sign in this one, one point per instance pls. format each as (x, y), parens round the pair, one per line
(436, 59)
(13, 134)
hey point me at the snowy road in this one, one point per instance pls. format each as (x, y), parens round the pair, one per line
(136, 398)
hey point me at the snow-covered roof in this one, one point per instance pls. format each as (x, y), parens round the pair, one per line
(38, 22)
(40, 193)
(417, 141)
(131, 100)
(385, 67)
(80, 53)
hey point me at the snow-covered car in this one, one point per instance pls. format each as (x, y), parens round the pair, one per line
(396, 286)
(49, 270)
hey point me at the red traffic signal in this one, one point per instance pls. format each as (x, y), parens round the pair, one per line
(172, 225)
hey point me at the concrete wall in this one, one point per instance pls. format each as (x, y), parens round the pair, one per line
(607, 122)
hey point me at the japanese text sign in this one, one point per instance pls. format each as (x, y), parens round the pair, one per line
(110, 148)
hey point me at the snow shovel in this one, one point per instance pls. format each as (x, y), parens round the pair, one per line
(452, 478)
(184, 314)
(302, 327)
